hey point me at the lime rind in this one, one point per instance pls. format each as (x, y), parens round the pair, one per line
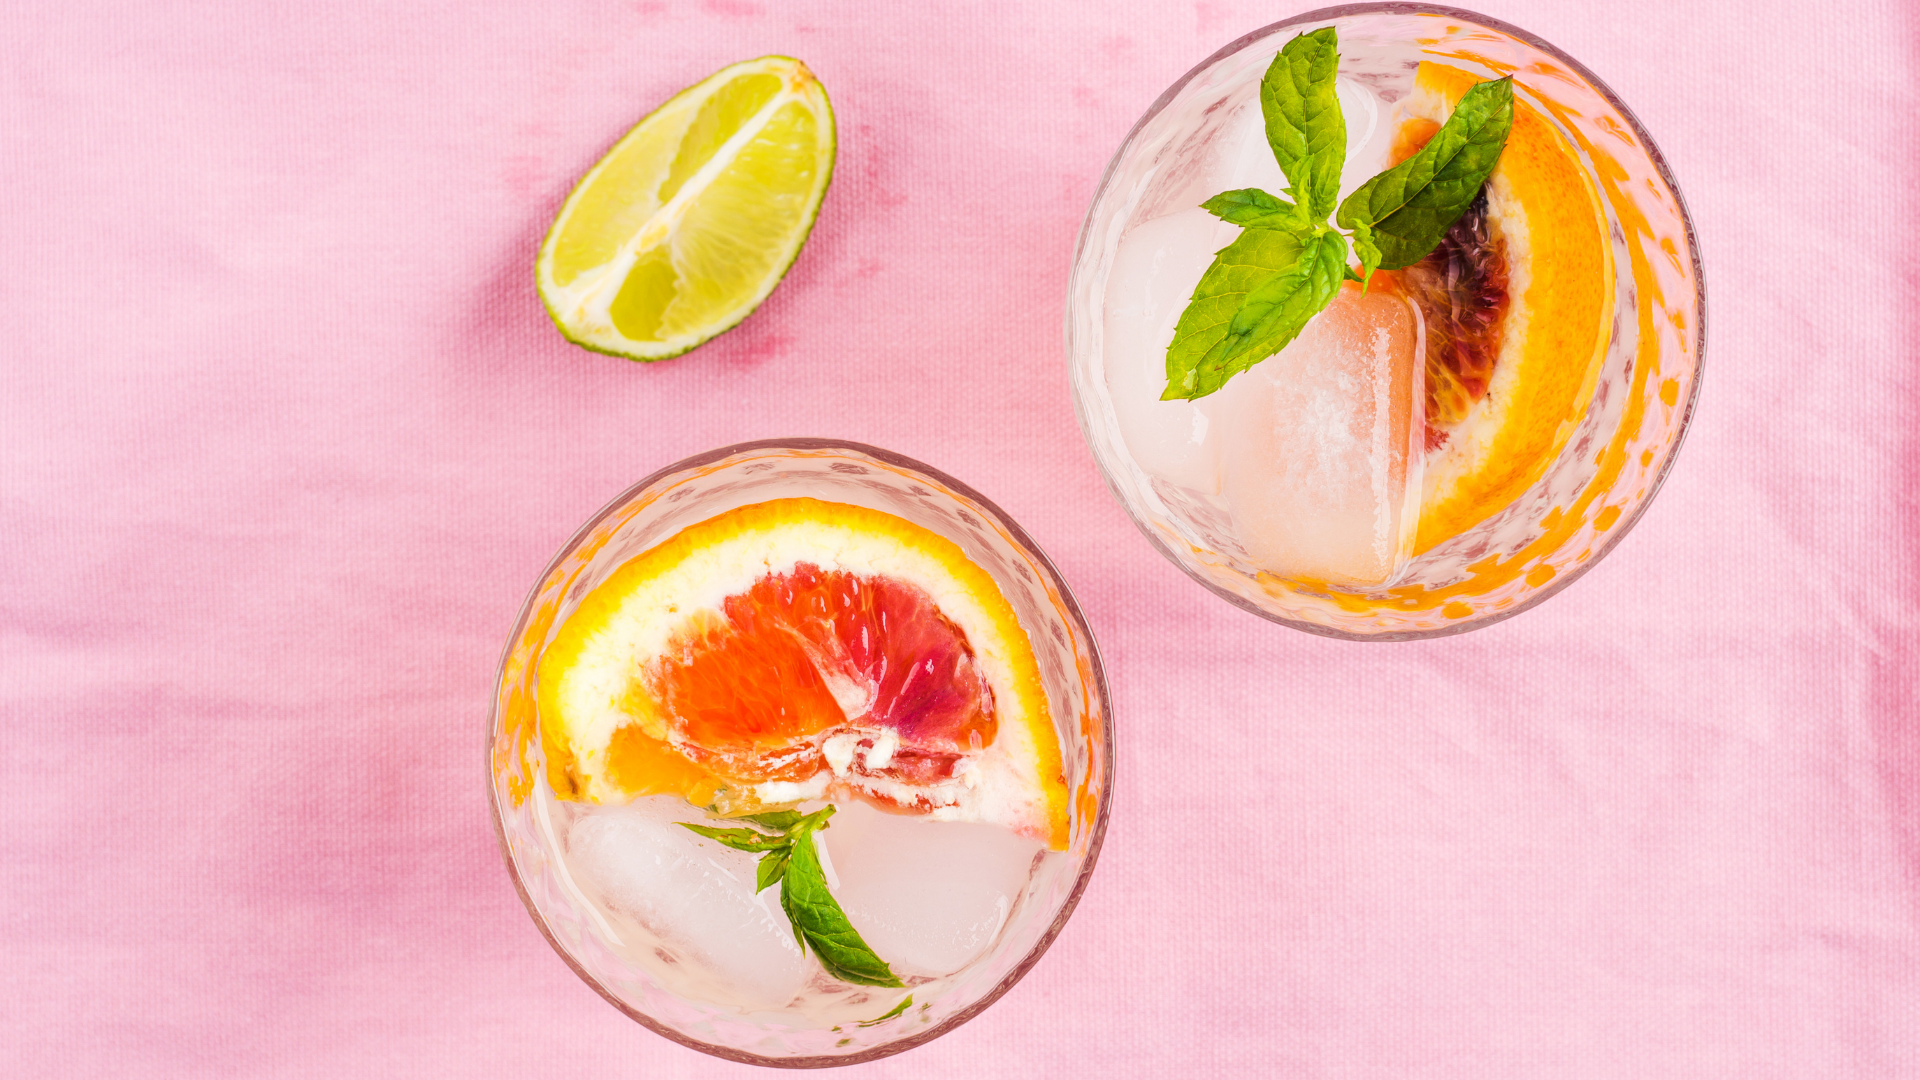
(597, 331)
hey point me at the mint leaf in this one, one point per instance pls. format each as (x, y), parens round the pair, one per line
(1403, 212)
(1257, 296)
(772, 868)
(1274, 313)
(775, 819)
(1367, 251)
(807, 824)
(1305, 127)
(889, 1014)
(1197, 356)
(739, 839)
(818, 921)
(1251, 206)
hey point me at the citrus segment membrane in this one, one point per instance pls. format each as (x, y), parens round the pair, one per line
(693, 217)
(799, 649)
(1521, 296)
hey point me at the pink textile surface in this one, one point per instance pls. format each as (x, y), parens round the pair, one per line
(285, 438)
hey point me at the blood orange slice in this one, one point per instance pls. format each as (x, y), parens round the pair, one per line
(795, 650)
(1518, 300)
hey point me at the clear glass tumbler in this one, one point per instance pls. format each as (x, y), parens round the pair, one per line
(531, 821)
(1610, 466)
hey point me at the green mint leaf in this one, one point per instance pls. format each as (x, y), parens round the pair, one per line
(1368, 252)
(818, 921)
(1406, 210)
(776, 819)
(889, 1014)
(1274, 313)
(1253, 207)
(1305, 127)
(815, 820)
(1256, 297)
(773, 867)
(1200, 338)
(739, 839)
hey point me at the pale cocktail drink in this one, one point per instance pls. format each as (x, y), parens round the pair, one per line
(801, 753)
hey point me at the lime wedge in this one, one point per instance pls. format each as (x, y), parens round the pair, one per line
(693, 217)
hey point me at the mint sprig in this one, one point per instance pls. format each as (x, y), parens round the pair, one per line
(789, 858)
(1287, 264)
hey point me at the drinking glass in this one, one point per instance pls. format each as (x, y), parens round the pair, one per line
(531, 821)
(1613, 463)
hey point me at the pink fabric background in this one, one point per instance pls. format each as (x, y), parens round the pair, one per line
(286, 439)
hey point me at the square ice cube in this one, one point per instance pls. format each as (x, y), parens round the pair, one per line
(1317, 444)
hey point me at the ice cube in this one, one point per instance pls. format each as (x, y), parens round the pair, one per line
(1317, 444)
(695, 895)
(1154, 271)
(927, 896)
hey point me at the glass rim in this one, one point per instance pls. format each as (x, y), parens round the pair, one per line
(1097, 687)
(1645, 142)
